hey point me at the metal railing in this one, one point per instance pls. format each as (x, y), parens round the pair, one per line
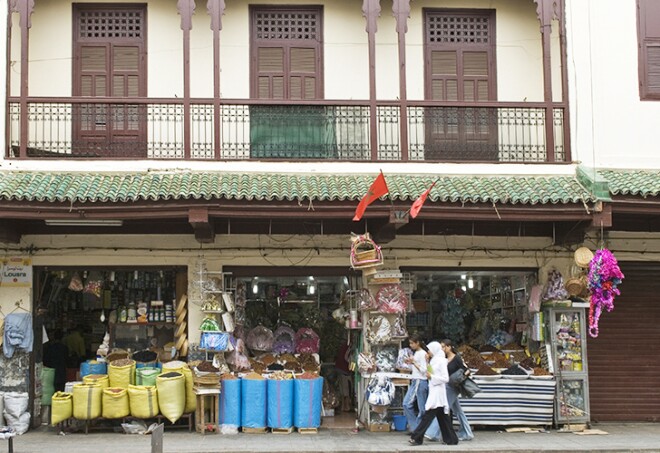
(264, 130)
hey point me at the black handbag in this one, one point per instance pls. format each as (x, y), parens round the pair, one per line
(469, 388)
(457, 378)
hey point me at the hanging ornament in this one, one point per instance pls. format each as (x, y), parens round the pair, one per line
(604, 277)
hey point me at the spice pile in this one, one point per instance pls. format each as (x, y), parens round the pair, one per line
(308, 375)
(228, 377)
(280, 376)
(485, 370)
(514, 370)
(471, 357)
(541, 372)
(207, 366)
(145, 356)
(253, 376)
(122, 362)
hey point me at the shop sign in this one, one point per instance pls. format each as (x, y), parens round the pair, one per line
(16, 271)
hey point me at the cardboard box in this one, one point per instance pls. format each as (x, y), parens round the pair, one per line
(379, 427)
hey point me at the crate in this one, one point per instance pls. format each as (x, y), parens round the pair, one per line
(254, 430)
(379, 427)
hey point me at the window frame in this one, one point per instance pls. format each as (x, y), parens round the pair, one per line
(643, 42)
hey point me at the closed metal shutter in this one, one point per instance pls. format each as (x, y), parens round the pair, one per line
(624, 362)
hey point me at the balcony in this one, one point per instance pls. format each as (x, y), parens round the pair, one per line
(207, 129)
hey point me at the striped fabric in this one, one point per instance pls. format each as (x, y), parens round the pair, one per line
(511, 402)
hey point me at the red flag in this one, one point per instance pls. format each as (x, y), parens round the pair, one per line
(378, 189)
(417, 205)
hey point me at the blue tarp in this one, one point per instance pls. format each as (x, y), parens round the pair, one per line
(280, 403)
(230, 402)
(254, 405)
(307, 401)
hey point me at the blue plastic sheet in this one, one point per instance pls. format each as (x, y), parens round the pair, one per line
(280, 403)
(254, 405)
(230, 402)
(307, 401)
(93, 368)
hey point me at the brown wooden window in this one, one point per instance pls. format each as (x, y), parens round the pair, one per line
(286, 64)
(648, 25)
(109, 43)
(459, 49)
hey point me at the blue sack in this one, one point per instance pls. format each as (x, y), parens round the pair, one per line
(230, 402)
(253, 407)
(93, 368)
(307, 402)
(280, 403)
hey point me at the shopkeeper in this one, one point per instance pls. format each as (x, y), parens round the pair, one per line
(75, 342)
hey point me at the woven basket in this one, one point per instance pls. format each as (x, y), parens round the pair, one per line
(207, 379)
(365, 253)
(583, 257)
(576, 286)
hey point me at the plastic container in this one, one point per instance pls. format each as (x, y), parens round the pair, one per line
(253, 403)
(93, 367)
(307, 402)
(280, 403)
(400, 422)
(230, 402)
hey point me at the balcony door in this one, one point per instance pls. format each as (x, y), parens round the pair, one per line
(109, 62)
(460, 66)
(286, 64)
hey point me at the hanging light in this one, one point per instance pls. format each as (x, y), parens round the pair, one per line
(470, 283)
(311, 286)
(463, 276)
(255, 285)
(463, 288)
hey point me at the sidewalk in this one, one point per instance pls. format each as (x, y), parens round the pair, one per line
(629, 437)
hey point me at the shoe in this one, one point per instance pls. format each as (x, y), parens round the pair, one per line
(429, 438)
(465, 439)
(413, 443)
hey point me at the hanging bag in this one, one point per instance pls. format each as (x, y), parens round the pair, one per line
(469, 388)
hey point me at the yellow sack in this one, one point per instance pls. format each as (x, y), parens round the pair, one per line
(172, 395)
(61, 407)
(191, 398)
(143, 401)
(100, 379)
(86, 401)
(121, 376)
(115, 403)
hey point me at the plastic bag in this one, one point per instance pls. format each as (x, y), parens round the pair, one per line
(391, 298)
(401, 363)
(379, 330)
(260, 339)
(307, 341)
(386, 358)
(284, 340)
(76, 283)
(366, 363)
(399, 328)
(380, 391)
(236, 359)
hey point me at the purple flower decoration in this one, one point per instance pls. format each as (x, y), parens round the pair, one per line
(604, 277)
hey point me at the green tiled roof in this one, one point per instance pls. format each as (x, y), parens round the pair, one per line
(632, 182)
(126, 187)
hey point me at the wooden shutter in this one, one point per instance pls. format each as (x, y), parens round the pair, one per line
(287, 53)
(109, 56)
(649, 49)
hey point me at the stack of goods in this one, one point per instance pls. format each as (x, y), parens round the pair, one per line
(308, 400)
(230, 402)
(253, 401)
(280, 401)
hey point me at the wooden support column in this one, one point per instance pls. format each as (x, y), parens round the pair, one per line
(186, 9)
(401, 12)
(24, 8)
(216, 8)
(564, 80)
(371, 11)
(546, 10)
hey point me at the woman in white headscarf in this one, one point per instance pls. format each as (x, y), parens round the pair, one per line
(437, 405)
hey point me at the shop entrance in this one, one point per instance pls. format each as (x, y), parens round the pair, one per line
(76, 307)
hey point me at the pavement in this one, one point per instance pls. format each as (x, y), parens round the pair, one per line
(620, 437)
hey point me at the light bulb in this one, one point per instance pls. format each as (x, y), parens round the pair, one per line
(470, 283)
(463, 288)
(463, 276)
(255, 286)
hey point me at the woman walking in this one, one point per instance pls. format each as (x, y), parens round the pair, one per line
(455, 363)
(418, 389)
(436, 404)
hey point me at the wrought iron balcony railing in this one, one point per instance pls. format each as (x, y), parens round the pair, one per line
(209, 129)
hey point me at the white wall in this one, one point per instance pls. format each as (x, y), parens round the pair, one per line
(346, 60)
(610, 126)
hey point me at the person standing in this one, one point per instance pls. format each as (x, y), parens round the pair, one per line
(415, 399)
(436, 405)
(455, 363)
(55, 356)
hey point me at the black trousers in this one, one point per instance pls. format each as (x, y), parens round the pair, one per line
(448, 434)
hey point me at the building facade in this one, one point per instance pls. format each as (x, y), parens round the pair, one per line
(151, 135)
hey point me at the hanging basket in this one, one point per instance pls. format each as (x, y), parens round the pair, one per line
(365, 253)
(583, 257)
(576, 286)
